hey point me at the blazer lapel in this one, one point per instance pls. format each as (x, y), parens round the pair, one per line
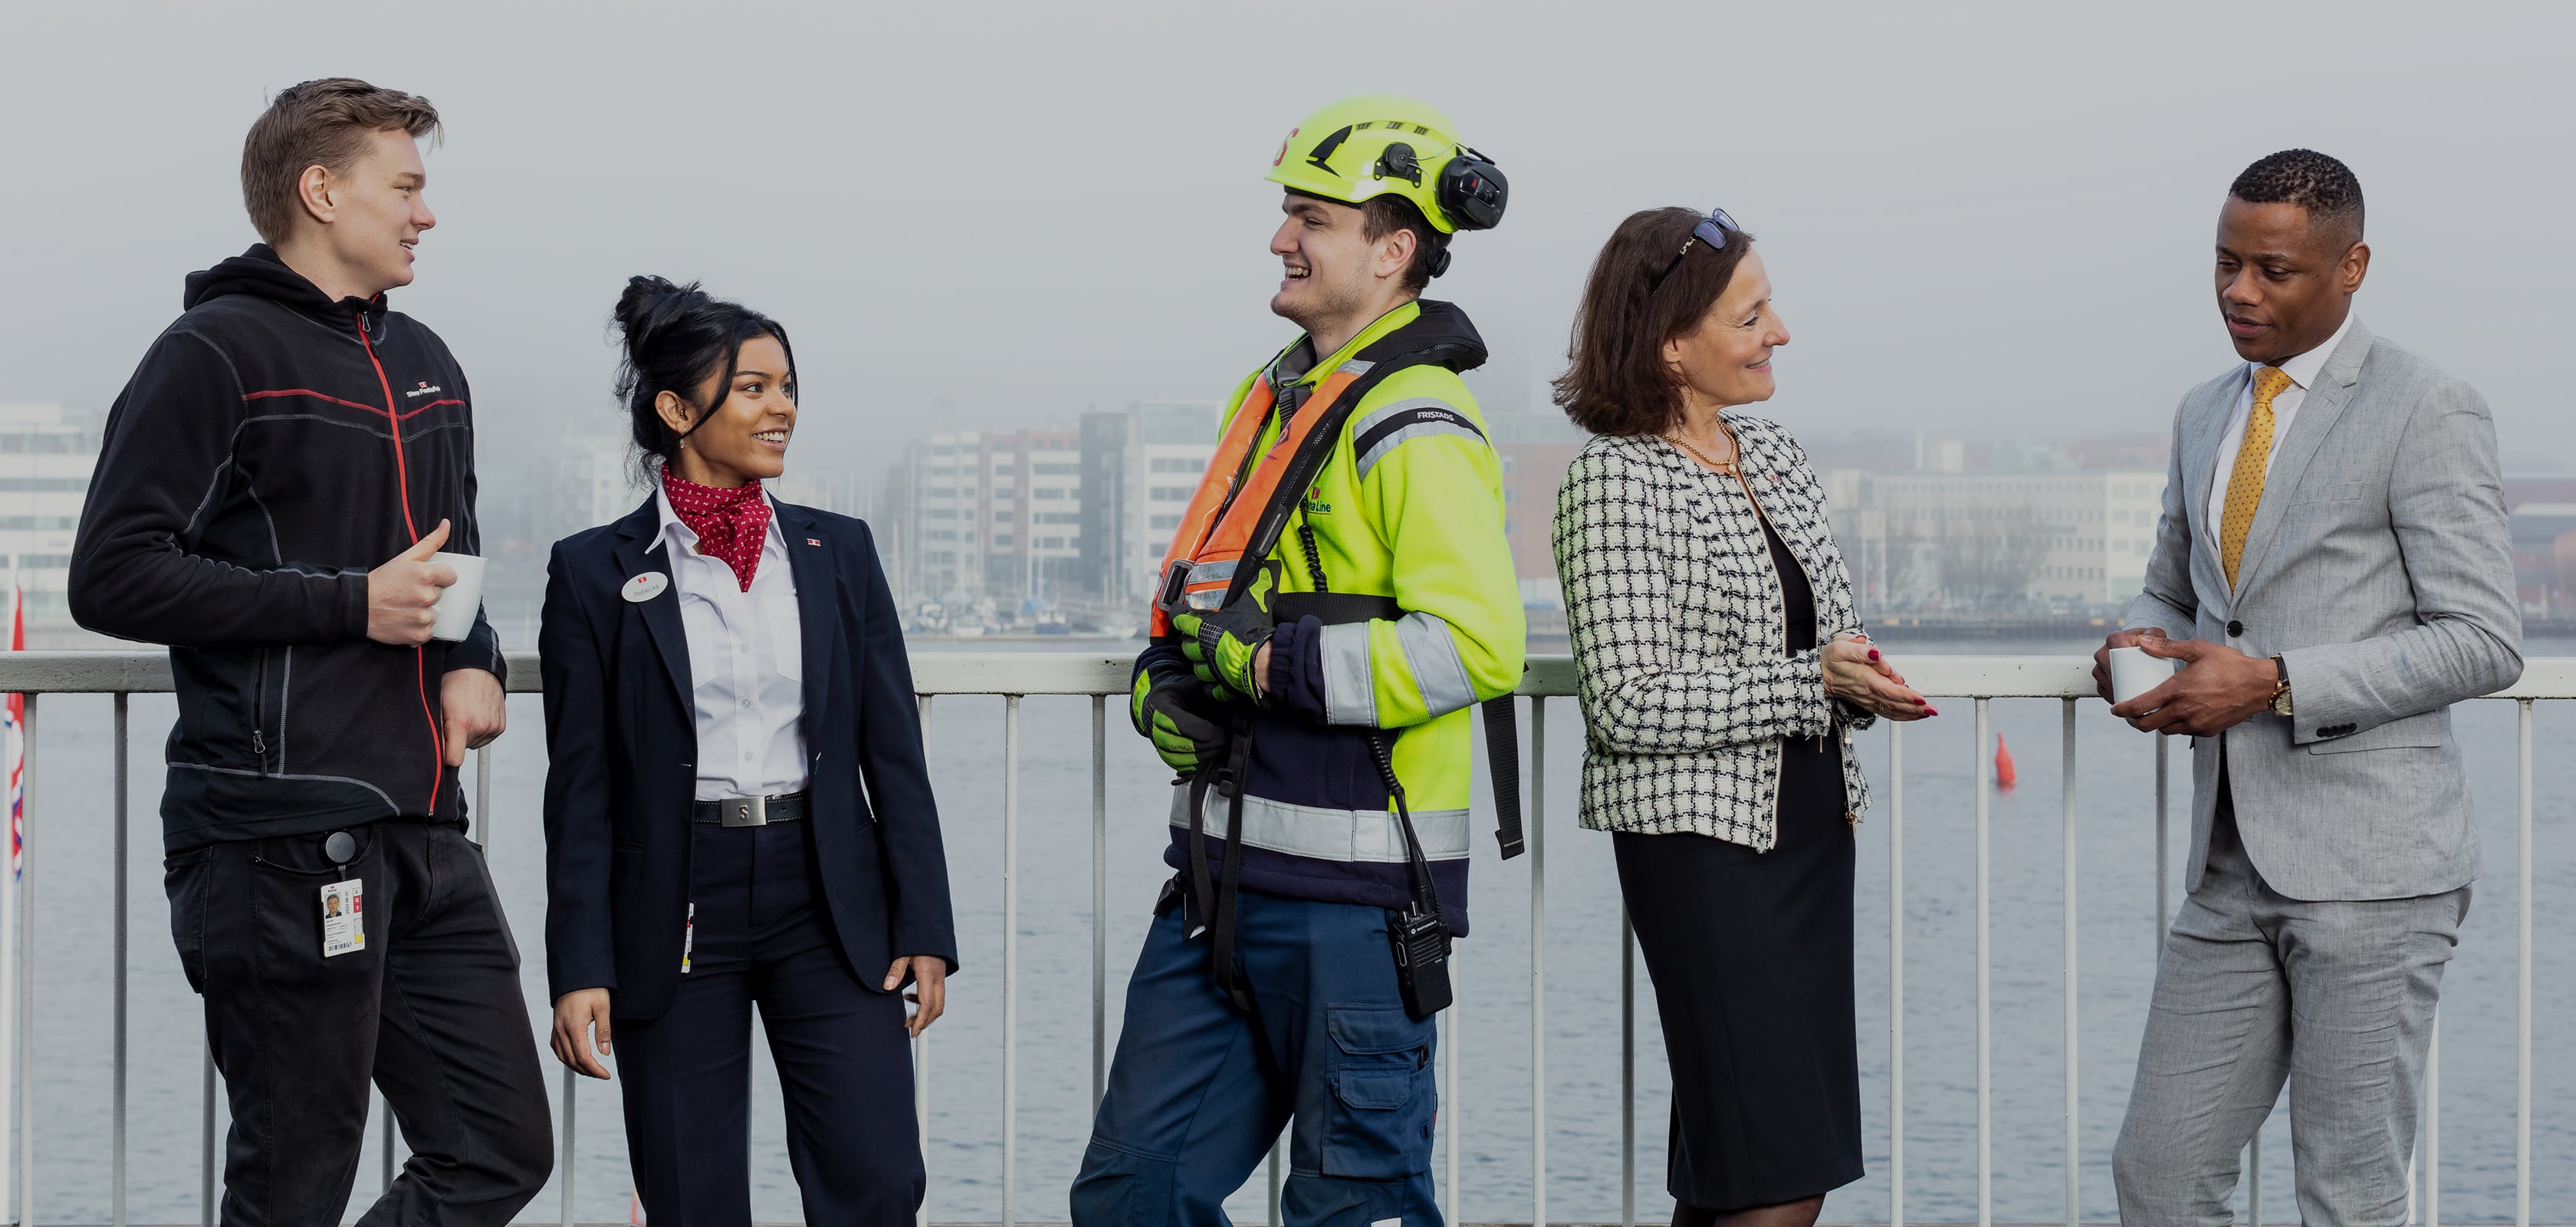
(818, 606)
(2318, 412)
(641, 549)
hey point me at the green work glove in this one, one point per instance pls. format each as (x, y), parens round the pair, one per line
(1222, 645)
(1164, 711)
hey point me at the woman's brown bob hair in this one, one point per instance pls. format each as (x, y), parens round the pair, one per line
(1617, 382)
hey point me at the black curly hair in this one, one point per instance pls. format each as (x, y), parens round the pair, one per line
(677, 337)
(2323, 186)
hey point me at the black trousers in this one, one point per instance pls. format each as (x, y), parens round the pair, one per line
(760, 937)
(430, 1011)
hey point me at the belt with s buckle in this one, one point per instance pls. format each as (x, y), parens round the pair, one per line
(752, 811)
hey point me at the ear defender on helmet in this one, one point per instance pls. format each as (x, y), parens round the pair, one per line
(1473, 191)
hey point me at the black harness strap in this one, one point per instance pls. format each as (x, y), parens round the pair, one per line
(1503, 762)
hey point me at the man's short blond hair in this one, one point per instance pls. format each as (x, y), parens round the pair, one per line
(322, 123)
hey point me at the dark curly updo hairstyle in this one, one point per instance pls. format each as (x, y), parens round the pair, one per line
(678, 337)
(1616, 381)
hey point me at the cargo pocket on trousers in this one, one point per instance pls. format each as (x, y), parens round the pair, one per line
(183, 878)
(1384, 1094)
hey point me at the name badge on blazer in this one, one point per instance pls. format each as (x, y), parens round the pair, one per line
(645, 587)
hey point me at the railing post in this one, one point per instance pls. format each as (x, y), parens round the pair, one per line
(1538, 960)
(1010, 959)
(2522, 986)
(27, 970)
(2164, 872)
(1627, 1069)
(2433, 1125)
(206, 1146)
(2067, 891)
(2254, 1176)
(482, 833)
(1895, 974)
(1452, 1096)
(1099, 898)
(116, 1128)
(1985, 1053)
(1276, 1145)
(921, 1057)
(571, 1087)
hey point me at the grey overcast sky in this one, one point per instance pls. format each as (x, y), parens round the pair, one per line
(1978, 215)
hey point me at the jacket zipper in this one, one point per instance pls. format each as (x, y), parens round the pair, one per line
(259, 714)
(402, 489)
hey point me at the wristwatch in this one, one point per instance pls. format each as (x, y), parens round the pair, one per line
(2281, 688)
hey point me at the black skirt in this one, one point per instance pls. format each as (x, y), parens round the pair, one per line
(1751, 955)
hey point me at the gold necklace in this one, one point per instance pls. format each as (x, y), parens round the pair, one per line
(1722, 466)
(1725, 468)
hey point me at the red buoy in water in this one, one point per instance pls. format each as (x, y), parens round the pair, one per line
(2004, 774)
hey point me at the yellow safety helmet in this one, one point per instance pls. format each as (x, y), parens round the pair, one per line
(1366, 146)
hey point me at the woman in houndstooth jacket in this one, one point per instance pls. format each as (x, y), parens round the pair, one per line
(1722, 671)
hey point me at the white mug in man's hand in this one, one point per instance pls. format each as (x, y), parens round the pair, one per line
(2133, 672)
(460, 601)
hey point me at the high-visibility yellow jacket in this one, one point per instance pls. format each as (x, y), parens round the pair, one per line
(1408, 508)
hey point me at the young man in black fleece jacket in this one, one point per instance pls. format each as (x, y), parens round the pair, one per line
(272, 484)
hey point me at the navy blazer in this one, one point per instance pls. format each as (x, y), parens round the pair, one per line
(621, 735)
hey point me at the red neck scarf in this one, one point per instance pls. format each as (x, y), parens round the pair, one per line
(730, 524)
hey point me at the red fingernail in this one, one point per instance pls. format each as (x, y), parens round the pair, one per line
(1930, 712)
(1925, 702)
(1873, 653)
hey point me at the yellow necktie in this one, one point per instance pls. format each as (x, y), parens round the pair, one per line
(2245, 482)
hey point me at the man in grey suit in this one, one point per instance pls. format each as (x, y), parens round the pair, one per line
(2333, 542)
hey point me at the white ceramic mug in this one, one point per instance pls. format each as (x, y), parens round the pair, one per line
(461, 600)
(2134, 672)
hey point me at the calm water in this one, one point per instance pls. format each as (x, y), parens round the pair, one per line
(2118, 934)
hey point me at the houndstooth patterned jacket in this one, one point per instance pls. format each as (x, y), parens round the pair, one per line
(1676, 615)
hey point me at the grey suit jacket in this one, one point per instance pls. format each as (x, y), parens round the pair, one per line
(2379, 568)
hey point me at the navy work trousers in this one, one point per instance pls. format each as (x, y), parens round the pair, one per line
(760, 936)
(1200, 1089)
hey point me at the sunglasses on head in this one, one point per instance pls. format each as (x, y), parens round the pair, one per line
(1711, 229)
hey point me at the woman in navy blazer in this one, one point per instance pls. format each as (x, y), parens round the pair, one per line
(737, 809)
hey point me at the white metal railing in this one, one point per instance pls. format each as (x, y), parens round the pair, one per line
(1013, 676)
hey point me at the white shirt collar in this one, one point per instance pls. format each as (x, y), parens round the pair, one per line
(2303, 369)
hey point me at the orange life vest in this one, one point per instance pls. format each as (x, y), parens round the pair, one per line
(1238, 487)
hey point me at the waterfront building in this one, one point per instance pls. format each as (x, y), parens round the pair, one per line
(1955, 541)
(1169, 444)
(989, 517)
(46, 455)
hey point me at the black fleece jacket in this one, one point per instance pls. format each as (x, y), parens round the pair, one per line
(272, 448)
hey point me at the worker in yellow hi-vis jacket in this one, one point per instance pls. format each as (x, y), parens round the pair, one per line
(1339, 594)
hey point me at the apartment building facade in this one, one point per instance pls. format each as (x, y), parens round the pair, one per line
(47, 453)
(1933, 540)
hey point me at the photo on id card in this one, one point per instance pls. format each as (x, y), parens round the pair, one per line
(344, 920)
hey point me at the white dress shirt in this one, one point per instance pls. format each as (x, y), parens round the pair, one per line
(747, 662)
(2302, 371)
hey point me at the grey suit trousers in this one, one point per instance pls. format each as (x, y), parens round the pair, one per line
(2256, 988)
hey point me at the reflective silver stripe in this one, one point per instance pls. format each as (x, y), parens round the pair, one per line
(1348, 836)
(1350, 687)
(1455, 425)
(1354, 367)
(1432, 653)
